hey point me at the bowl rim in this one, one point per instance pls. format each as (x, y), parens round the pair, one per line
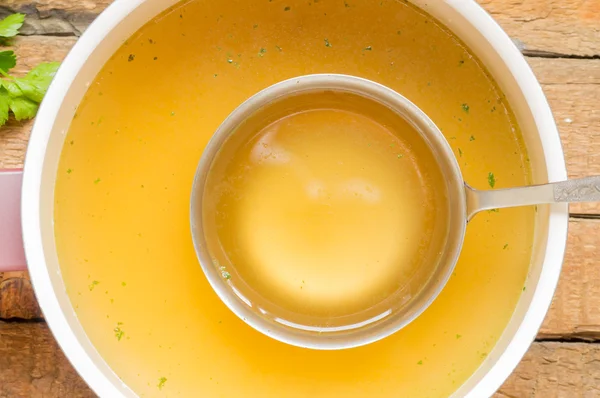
(47, 293)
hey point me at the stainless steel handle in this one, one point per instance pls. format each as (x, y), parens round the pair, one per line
(580, 190)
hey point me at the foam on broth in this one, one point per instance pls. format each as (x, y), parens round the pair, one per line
(126, 171)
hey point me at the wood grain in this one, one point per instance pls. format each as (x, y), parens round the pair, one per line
(556, 370)
(575, 310)
(572, 87)
(17, 299)
(32, 364)
(55, 17)
(550, 27)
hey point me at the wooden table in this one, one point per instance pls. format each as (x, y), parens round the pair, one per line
(561, 40)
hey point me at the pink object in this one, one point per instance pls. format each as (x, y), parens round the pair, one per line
(12, 256)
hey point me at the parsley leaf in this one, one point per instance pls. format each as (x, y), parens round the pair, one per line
(23, 94)
(9, 26)
(23, 108)
(4, 106)
(35, 84)
(7, 60)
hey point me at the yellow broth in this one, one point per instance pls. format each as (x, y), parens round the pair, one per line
(125, 177)
(326, 209)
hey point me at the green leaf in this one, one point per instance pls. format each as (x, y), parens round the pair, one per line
(23, 108)
(8, 60)
(11, 87)
(22, 95)
(35, 84)
(9, 26)
(3, 106)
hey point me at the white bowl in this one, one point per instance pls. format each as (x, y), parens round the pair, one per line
(121, 19)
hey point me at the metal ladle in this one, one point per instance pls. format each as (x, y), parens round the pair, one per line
(463, 203)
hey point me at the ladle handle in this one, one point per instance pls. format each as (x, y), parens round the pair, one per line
(579, 190)
(12, 256)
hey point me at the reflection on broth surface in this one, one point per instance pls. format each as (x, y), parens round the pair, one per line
(125, 175)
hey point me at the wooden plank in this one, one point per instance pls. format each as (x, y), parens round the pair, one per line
(575, 310)
(17, 299)
(556, 370)
(32, 364)
(55, 17)
(549, 27)
(572, 87)
(540, 27)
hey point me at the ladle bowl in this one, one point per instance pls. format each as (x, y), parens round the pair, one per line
(463, 202)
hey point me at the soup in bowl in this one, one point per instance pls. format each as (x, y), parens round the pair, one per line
(112, 158)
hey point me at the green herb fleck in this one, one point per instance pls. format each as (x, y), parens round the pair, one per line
(472, 138)
(131, 57)
(505, 246)
(161, 382)
(368, 48)
(524, 288)
(254, 26)
(465, 107)
(493, 108)
(262, 52)
(400, 156)
(123, 284)
(224, 272)
(420, 363)
(461, 62)
(155, 58)
(287, 8)
(93, 285)
(118, 331)
(460, 152)
(327, 43)
(69, 171)
(491, 179)
(97, 180)
(458, 336)
(279, 48)
(172, 113)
